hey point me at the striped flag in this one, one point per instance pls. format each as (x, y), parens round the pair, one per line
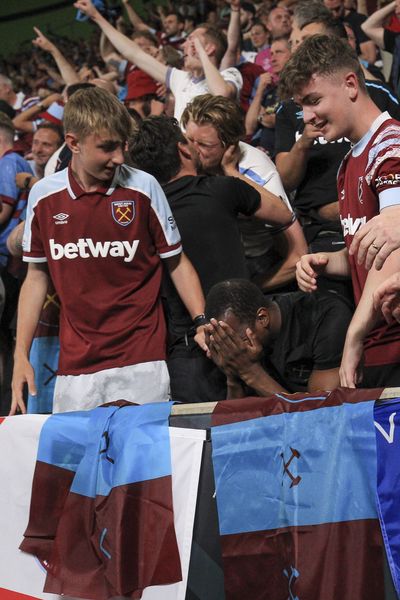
(101, 518)
(296, 485)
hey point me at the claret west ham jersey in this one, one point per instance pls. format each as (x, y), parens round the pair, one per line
(103, 251)
(369, 181)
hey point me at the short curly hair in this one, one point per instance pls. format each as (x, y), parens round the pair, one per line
(318, 55)
(239, 296)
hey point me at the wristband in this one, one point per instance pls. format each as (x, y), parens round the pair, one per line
(199, 320)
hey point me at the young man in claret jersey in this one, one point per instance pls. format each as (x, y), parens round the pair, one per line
(324, 76)
(101, 230)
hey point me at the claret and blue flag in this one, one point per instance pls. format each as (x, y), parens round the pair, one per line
(101, 516)
(296, 483)
(387, 424)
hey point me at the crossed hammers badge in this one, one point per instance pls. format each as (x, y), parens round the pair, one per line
(295, 454)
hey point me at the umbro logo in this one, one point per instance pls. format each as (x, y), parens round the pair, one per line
(61, 218)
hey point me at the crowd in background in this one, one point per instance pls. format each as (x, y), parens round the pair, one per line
(215, 66)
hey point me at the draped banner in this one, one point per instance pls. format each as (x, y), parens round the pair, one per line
(296, 487)
(387, 423)
(22, 576)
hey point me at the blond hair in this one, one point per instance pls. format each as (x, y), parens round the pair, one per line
(224, 114)
(93, 110)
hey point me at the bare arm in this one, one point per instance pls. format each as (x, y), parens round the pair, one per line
(216, 83)
(364, 319)
(188, 286)
(23, 121)
(5, 212)
(292, 165)
(330, 211)
(377, 239)
(294, 246)
(107, 50)
(310, 266)
(123, 44)
(233, 36)
(134, 18)
(31, 299)
(14, 240)
(325, 379)
(251, 120)
(68, 73)
(373, 26)
(273, 209)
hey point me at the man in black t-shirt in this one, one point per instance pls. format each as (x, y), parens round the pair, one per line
(291, 342)
(205, 209)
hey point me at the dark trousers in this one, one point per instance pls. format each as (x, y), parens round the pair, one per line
(194, 377)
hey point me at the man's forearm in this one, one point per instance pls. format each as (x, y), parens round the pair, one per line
(260, 381)
(338, 265)
(292, 165)
(187, 284)
(373, 26)
(233, 39)
(134, 18)
(216, 83)
(235, 389)
(365, 317)
(251, 119)
(130, 50)
(273, 210)
(292, 247)
(67, 71)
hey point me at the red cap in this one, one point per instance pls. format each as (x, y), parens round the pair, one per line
(139, 84)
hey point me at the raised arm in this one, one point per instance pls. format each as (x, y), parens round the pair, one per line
(67, 71)
(292, 165)
(216, 83)
(134, 18)
(128, 48)
(373, 27)
(24, 121)
(251, 120)
(31, 299)
(233, 36)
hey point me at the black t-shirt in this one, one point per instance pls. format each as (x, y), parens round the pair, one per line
(206, 209)
(318, 186)
(311, 338)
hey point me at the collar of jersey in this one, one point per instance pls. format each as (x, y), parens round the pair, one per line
(75, 190)
(361, 144)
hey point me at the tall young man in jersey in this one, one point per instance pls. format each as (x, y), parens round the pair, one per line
(100, 228)
(325, 78)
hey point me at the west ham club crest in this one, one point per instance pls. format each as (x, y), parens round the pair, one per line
(123, 211)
